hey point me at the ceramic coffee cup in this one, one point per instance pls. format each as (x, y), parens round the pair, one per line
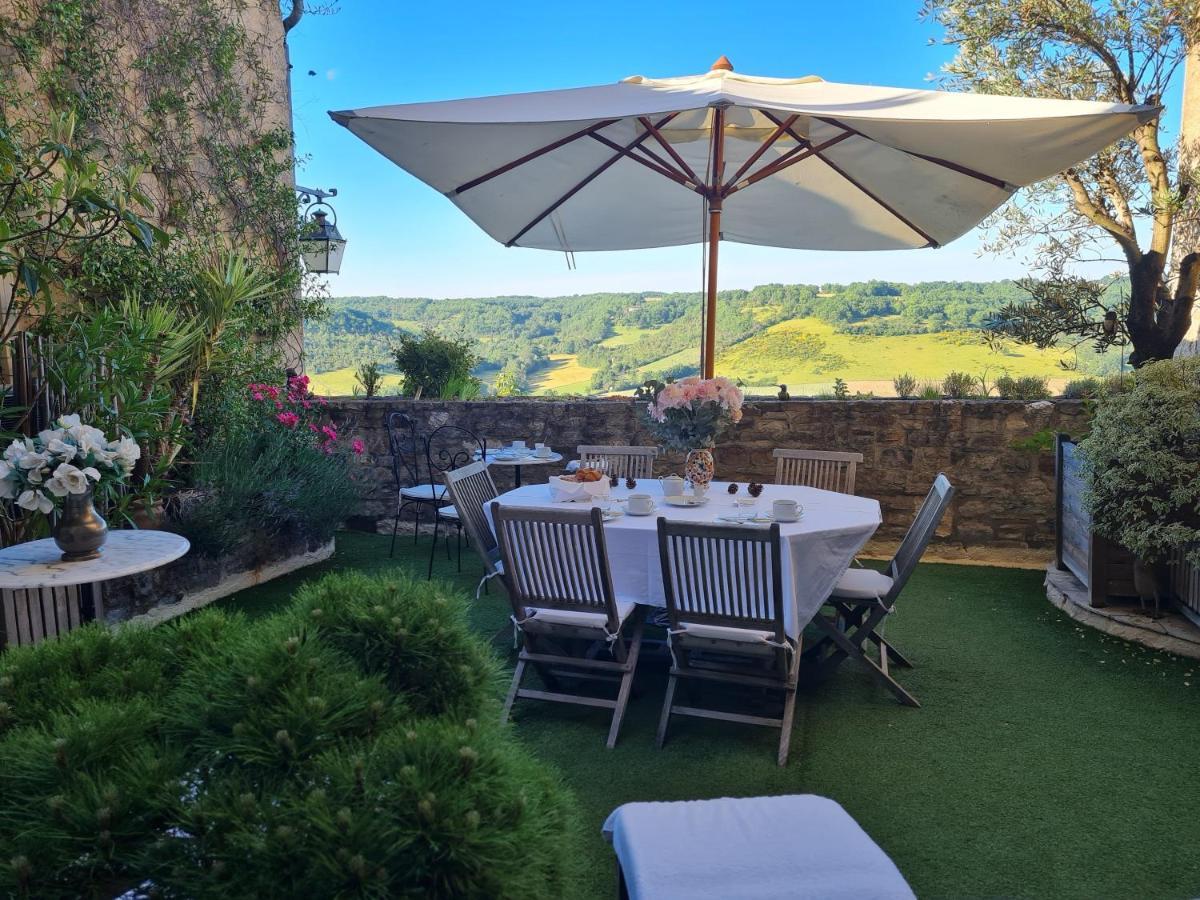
(542, 450)
(641, 504)
(785, 510)
(518, 445)
(672, 486)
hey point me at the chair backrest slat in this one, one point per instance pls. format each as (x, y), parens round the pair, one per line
(623, 462)
(471, 489)
(407, 450)
(722, 575)
(828, 470)
(555, 559)
(919, 534)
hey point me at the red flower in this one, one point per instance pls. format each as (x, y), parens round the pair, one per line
(358, 447)
(290, 419)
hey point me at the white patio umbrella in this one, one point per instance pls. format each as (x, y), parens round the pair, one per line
(798, 162)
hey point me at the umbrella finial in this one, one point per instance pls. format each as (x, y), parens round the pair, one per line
(723, 63)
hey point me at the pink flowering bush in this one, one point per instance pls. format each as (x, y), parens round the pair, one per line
(296, 407)
(693, 412)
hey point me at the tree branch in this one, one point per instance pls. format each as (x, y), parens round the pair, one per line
(1091, 210)
(292, 19)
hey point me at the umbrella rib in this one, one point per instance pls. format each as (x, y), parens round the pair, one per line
(798, 154)
(652, 166)
(671, 151)
(936, 160)
(599, 170)
(534, 154)
(780, 129)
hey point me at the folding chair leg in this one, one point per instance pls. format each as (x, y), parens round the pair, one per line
(789, 714)
(416, 521)
(433, 547)
(626, 682)
(395, 528)
(518, 674)
(845, 647)
(460, 547)
(665, 718)
(894, 655)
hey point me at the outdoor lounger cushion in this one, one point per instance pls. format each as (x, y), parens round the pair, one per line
(752, 848)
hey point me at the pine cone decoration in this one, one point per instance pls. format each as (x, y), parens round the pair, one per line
(755, 489)
(733, 488)
(631, 483)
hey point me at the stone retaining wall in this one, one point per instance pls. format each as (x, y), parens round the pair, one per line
(997, 453)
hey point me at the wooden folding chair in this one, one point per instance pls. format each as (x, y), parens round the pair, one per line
(623, 462)
(724, 589)
(555, 567)
(863, 598)
(471, 488)
(829, 470)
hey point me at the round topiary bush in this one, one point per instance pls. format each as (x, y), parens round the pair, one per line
(411, 633)
(1143, 458)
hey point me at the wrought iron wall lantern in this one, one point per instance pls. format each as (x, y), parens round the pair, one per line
(321, 244)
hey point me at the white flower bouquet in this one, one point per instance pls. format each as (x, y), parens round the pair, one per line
(70, 458)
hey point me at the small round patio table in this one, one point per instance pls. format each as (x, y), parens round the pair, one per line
(520, 460)
(44, 596)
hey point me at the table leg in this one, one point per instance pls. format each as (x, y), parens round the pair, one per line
(516, 476)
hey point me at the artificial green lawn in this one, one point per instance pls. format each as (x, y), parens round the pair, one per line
(1047, 760)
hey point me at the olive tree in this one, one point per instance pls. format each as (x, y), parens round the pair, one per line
(1129, 197)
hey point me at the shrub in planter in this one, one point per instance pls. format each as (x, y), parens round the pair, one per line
(411, 633)
(266, 761)
(1143, 458)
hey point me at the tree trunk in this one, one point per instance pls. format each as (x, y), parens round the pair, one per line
(1187, 224)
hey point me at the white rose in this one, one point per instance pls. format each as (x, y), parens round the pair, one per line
(71, 478)
(35, 500)
(70, 421)
(61, 448)
(33, 460)
(125, 452)
(17, 449)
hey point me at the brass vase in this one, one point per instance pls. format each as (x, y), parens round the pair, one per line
(80, 531)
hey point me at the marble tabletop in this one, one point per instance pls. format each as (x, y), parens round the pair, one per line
(525, 459)
(39, 564)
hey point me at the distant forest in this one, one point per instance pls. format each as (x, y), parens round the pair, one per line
(518, 334)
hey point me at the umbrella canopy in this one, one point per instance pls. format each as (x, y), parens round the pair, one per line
(799, 162)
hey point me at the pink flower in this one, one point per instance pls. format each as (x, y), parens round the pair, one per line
(313, 428)
(290, 419)
(358, 447)
(330, 432)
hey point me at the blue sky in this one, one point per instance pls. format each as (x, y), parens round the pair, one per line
(408, 240)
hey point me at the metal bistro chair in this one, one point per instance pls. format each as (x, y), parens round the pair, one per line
(558, 580)
(621, 462)
(828, 470)
(408, 450)
(471, 488)
(448, 448)
(725, 603)
(863, 598)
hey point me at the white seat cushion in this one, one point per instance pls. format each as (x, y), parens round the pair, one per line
(725, 633)
(862, 584)
(575, 617)
(800, 847)
(424, 492)
(448, 512)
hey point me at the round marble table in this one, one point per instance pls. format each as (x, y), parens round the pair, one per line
(519, 461)
(38, 600)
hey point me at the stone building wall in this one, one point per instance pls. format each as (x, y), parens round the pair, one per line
(997, 453)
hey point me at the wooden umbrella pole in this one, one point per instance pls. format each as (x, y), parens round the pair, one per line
(708, 353)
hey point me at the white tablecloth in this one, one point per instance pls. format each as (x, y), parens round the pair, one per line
(820, 546)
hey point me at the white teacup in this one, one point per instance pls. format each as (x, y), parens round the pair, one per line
(518, 445)
(699, 490)
(641, 504)
(672, 486)
(542, 451)
(785, 510)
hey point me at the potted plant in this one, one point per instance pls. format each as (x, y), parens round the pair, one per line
(58, 472)
(1142, 457)
(689, 415)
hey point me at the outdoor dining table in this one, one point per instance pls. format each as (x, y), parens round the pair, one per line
(518, 460)
(819, 547)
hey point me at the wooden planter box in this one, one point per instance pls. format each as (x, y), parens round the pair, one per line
(1101, 566)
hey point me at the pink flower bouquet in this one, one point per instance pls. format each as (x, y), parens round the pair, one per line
(694, 412)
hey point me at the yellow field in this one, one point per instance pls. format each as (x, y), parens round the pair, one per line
(341, 383)
(562, 374)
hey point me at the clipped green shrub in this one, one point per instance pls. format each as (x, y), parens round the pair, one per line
(1143, 456)
(284, 757)
(411, 633)
(1027, 387)
(959, 386)
(1083, 389)
(905, 385)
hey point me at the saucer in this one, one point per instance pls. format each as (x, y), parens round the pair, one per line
(684, 500)
(648, 512)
